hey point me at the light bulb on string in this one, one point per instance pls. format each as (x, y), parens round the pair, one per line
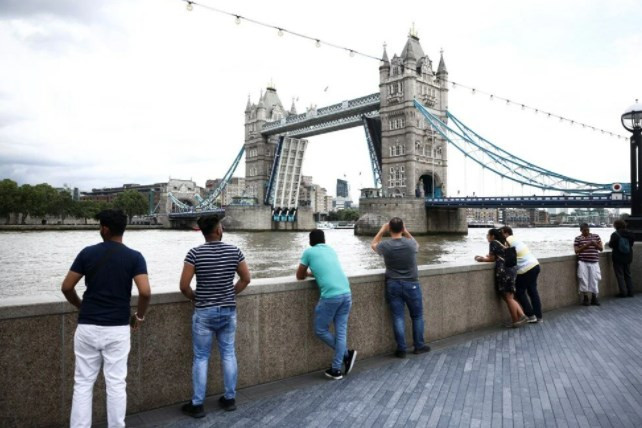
(523, 106)
(318, 43)
(351, 53)
(454, 85)
(473, 91)
(189, 6)
(237, 20)
(492, 97)
(280, 32)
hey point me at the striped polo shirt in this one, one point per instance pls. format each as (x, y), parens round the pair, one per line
(525, 259)
(590, 254)
(215, 264)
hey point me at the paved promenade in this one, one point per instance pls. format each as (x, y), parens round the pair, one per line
(581, 367)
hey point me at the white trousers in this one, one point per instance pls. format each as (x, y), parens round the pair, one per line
(96, 345)
(589, 275)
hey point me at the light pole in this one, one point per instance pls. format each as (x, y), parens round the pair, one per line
(632, 122)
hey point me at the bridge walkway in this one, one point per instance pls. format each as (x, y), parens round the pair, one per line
(579, 368)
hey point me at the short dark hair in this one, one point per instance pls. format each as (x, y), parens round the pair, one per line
(396, 225)
(317, 237)
(584, 226)
(114, 220)
(497, 235)
(208, 224)
(508, 230)
(619, 224)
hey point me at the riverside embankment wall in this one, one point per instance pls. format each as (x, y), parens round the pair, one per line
(275, 337)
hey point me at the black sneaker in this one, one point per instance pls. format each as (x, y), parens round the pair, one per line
(400, 354)
(348, 362)
(422, 350)
(194, 411)
(227, 404)
(620, 295)
(334, 374)
(594, 301)
(586, 302)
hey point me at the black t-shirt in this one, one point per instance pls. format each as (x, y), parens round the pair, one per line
(614, 243)
(107, 298)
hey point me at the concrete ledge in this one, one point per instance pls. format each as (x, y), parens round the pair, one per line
(275, 318)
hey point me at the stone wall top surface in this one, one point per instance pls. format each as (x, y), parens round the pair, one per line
(31, 306)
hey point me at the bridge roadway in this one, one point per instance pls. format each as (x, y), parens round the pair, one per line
(595, 201)
(579, 368)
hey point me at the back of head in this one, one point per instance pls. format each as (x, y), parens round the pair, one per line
(396, 225)
(507, 230)
(497, 235)
(619, 225)
(317, 237)
(114, 220)
(208, 224)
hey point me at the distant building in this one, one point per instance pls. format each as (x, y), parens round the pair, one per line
(74, 192)
(312, 195)
(484, 216)
(343, 190)
(235, 188)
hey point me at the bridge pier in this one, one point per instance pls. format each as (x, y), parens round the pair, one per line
(259, 218)
(418, 219)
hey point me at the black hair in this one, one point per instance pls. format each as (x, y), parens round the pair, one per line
(396, 225)
(317, 237)
(619, 224)
(584, 226)
(207, 224)
(114, 220)
(497, 235)
(508, 230)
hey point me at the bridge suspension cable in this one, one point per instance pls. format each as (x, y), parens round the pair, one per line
(499, 161)
(208, 203)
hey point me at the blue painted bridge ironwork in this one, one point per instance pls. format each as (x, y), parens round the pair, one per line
(597, 201)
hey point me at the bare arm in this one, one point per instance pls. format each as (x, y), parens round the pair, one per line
(69, 288)
(244, 277)
(486, 258)
(598, 244)
(186, 280)
(301, 272)
(378, 236)
(144, 297)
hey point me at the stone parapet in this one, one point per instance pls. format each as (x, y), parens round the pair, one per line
(275, 335)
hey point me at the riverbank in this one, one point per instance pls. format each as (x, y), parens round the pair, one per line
(54, 227)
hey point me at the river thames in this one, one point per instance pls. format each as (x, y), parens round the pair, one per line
(34, 263)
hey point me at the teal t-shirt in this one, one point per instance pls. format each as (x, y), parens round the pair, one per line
(324, 264)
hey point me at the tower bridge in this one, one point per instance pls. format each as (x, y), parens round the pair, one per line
(408, 129)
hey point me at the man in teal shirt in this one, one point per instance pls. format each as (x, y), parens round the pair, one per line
(334, 304)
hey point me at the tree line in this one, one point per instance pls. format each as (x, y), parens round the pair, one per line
(42, 199)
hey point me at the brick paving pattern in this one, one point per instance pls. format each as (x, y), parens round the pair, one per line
(580, 368)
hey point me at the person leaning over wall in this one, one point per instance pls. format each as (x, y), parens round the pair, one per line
(103, 333)
(402, 283)
(504, 275)
(214, 263)
(334, 304)
(622, 255)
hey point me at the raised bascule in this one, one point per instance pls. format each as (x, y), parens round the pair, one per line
(408, 128)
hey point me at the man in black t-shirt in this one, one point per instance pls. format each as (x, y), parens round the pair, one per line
(622, 257)
(103, 333)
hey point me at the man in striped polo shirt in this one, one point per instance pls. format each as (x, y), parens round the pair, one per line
(587, 247)
(214, 264)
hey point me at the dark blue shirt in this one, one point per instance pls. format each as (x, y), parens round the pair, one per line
(109, 288)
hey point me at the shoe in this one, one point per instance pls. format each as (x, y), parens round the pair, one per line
(348, 362)
(629, 295)
(594, 301)
(227, 404)
(586, 302)
(334, 374)
(620, 295)
(400, 354)
(520, 322)
(540, 320)
(422, 350)
(532, 319)
(194, 411)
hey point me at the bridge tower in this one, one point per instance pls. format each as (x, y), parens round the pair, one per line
(414, 157)
(259, 150)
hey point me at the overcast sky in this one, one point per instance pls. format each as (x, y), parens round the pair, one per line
(101, 93)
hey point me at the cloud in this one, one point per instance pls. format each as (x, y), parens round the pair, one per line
(62, 9)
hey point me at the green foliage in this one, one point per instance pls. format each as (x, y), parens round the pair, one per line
(132, 203)
(349, 214)
(9, 197)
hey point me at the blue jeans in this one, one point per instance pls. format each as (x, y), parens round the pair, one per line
(399, 293)
(207, 322)
(335, 309)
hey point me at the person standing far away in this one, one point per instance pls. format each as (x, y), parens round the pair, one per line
(103, 333)
(334, 304)
(402, 283)
(622, 255)
(504, 275)
(526, 283)
(215, 264)
(587, 247)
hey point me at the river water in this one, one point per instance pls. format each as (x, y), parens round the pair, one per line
(34, 263)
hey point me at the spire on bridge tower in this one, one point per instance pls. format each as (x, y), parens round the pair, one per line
(442, 65)
(248, 107)
(293, 108)
(384, 58)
